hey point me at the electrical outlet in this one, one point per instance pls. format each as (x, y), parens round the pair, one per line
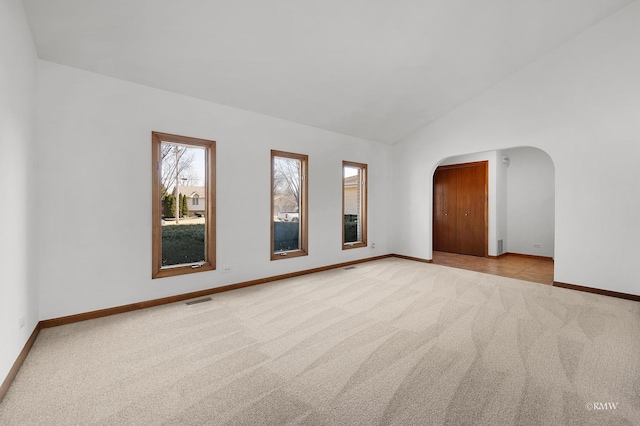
(537, 245)
(21, 322)
(226, 270)
(373, 245)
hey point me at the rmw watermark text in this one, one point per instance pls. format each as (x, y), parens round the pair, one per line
(602, 405)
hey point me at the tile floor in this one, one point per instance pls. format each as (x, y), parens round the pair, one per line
(510, 265)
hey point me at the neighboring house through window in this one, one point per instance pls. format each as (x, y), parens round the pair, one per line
(195, 199)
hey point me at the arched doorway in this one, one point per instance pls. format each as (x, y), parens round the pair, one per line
(520, 206)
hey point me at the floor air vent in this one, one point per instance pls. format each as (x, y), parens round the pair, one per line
(349, 267)
(500, 247)
(195, 302)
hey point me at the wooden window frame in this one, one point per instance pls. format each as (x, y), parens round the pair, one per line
(363, 205)
(209, 263)
(302, 207)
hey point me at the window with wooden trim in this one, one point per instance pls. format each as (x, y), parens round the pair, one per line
(354, 205)
(184, 234)
(288, 205)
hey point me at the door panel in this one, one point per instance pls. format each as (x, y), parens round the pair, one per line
(471, 210)
(444, 210)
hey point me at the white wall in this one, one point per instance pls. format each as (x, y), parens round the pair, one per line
(581, 104)
(530, 202)
(95, 141)
(502, 213)
(18, 291)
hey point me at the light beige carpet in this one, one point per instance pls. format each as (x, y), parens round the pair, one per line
(389, 342)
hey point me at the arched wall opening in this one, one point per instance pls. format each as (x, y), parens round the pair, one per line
(521, 200)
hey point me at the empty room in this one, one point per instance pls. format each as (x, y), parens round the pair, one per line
(319, 213)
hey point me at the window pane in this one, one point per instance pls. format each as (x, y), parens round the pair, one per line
(183, 234)
(184, 209)
(352, 204)
(287, 184)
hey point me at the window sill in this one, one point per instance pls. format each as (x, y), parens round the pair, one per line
(288, 254)
(350, 246)
(182, 270)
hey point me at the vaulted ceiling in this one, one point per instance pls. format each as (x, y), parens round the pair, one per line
(377, 69)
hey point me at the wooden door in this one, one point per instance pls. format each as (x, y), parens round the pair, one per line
(445, 182)
(460, 209)
(472, 202)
